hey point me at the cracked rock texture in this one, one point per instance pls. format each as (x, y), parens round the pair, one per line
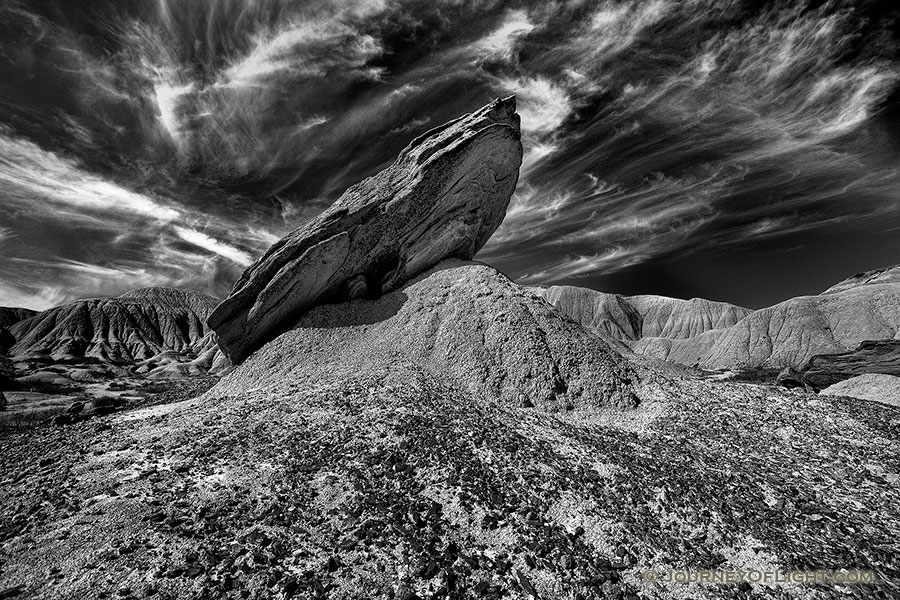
(443, 198)
(137, 326)
(468, 326)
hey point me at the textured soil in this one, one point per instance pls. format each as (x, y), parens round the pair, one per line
(380, 483)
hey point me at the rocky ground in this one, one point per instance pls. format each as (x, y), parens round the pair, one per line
(380, 482)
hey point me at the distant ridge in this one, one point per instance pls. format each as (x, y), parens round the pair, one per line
(139, 325)
(717, 335)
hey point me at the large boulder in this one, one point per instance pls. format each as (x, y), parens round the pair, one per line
(443, 198)
(871, 356)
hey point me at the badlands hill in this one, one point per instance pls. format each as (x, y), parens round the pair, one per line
(141, 325)
(8, 317)
(715, 335)
(420, 427)
(641, 321)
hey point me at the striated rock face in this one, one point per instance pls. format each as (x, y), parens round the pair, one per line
(136, 326)
(792, 332)
(9, 317)
(443, 198)
(465, 325)
(875, 277)
(876, 356)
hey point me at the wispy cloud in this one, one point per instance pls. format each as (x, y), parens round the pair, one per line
(500, 43)
(30, 173)
(200, 239)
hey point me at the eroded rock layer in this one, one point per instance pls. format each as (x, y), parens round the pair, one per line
(876, 356)
(716, 335)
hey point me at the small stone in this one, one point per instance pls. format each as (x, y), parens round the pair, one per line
(332, 565)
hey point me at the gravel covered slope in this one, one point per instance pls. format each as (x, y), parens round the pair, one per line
(378, 481)
(371, 474)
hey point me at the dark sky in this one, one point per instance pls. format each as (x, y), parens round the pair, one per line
(734, 150)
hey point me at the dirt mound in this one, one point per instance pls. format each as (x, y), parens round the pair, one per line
(467, 325)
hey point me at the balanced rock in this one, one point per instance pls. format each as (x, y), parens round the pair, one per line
(443, 198)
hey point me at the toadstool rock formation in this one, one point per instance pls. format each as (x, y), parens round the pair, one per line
(443, 198)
